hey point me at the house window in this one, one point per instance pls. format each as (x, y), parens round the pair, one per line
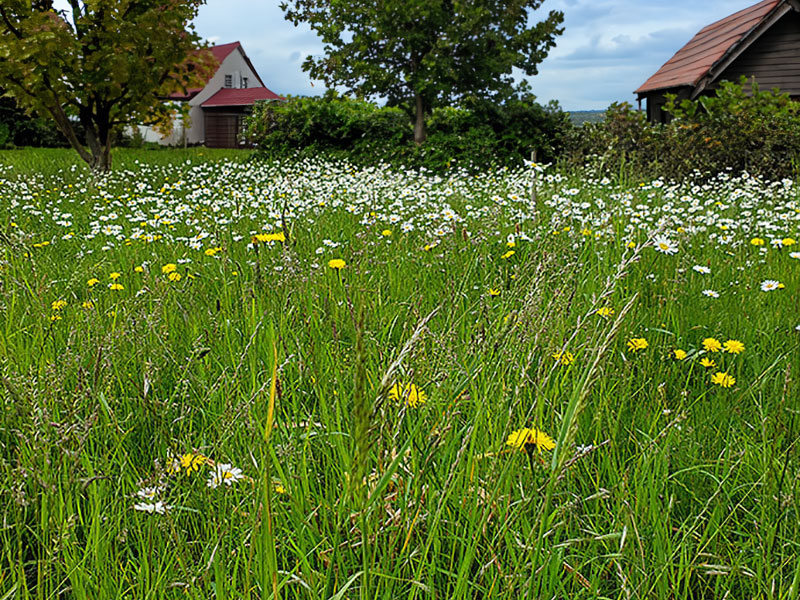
(228, 81)
(244, 82)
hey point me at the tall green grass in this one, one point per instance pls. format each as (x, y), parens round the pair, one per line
(661, 485)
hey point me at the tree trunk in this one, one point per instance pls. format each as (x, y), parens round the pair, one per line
(419, 126)
(99, 141)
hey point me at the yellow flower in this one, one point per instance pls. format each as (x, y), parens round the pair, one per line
(58, 304)
(386, 232)
(565, 358)
(636, 344)
(679, 354)
(788, 241)
(269, 237)
(707, 363)
(757, 242)
(528, 439)
(55, 317)
(337, 263)
(174, 276)
(508, 255)
(117, 287)
(138, 269)
(190, 462)
(733, 347)
(88, 305)
(723, 380)
(511, 244)
(605, 312)
(712, 345)
(410, 394)
(494, 292)
(115, 275)
(169, 268)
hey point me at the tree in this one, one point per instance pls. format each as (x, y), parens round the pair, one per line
(420, 53)
(101, 65)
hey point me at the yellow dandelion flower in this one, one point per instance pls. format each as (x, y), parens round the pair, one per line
(637, 344)
(169, 268)
(707, 363)
(117, 287)
(564, 358)
(174, 276)
(605, 312)
(679, 354)
(386, 232)
(723, 380)
(508, 255)
(528, 439)
(494, 292)
(733, 347)
(712, 345)
(58, 304)
(92, 282)
(410, 394)
(757, 242)
(337, 264)
(115, 275)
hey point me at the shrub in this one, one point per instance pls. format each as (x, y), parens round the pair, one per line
(740, 128)
(475, 135)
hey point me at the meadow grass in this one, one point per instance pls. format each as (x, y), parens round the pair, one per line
(198, 402)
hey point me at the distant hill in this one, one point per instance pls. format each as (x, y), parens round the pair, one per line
(579, 117)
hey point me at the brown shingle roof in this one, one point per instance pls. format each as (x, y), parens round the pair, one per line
(704, 50)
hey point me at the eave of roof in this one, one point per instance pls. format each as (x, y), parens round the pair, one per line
(710, 46)
(240, 97)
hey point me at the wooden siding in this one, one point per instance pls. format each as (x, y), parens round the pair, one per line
(656, 101)
(773, 59)
(222, 129)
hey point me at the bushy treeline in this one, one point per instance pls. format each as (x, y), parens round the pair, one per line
(741, 128)
(475, 135)
(20, 129)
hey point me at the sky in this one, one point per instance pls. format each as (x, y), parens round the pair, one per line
(608, 49)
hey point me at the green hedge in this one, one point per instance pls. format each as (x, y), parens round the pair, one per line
(741, 128)
(473, 136)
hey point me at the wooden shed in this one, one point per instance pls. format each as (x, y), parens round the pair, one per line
(760, 42)
(224, 114)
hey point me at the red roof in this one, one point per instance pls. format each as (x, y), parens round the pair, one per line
(707, 48)
(240, 97)
(222, 51)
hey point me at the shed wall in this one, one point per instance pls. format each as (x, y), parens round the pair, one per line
(773, 59)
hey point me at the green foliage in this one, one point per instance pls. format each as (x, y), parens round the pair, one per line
(420, 54)
(101, 63)
(477, 135)
(740, 128)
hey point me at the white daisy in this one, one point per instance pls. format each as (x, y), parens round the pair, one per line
(158, 508)
(665, 245)
(770, 285)
(711, 293)
(794, 254)
(224, 473)
(701, 269)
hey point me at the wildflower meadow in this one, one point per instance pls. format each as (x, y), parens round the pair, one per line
(230, 378)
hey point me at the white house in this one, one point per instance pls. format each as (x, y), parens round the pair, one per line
(217, 111)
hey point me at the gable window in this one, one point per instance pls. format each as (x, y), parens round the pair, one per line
(228, 81)
(244, 82)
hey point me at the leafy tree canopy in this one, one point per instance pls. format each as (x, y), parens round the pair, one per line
(421, 53)
(102, 63)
